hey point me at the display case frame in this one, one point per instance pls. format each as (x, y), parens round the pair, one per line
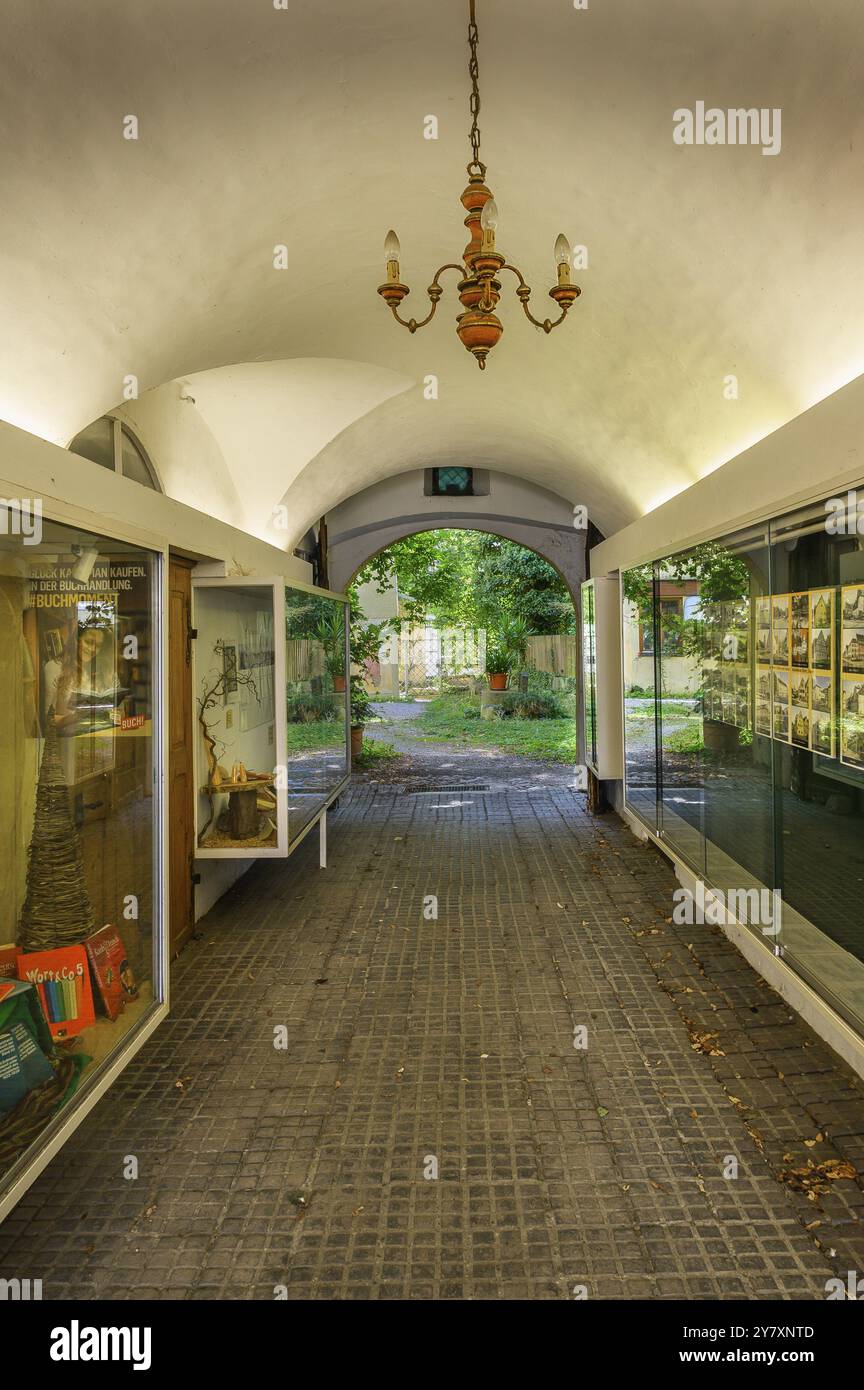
(26, 1169)
(601, 678)
(273, 588)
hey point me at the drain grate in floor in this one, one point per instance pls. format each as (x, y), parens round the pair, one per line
(432, 788)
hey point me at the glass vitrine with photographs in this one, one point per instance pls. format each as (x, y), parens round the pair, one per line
(759, 713)
(317, 684)
(589, 674)
(818, 582)
(80, 912)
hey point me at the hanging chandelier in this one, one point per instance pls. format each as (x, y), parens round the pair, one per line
(478, 327)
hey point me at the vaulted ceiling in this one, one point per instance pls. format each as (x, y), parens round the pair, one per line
(305, 127)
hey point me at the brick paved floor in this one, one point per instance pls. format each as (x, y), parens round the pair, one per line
(413, 1039)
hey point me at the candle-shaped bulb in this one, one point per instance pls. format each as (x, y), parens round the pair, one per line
(489, 216)
(562, 250)
(391, 246)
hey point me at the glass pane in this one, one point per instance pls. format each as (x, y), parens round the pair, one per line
(589, 673)
(640, 733)
(133, 463)
(96, 443)
(818, 578)
(78, 927)
(317, 683)
(455, 482)
(738, 639)
(679, 650)
(235, 707)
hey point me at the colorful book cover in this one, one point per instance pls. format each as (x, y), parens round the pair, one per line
(115, 982)
(9, 962)
(56, 976)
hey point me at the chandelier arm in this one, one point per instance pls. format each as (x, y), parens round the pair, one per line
(434, 292)
(523, 294)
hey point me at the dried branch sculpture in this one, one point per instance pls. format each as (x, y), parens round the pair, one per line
(212, 695)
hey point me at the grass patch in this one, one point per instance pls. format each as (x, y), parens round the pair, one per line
(686, 740)
(455, 719)
(316, 733)
(375, 751)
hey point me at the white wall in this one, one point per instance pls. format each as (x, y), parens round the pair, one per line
(520, 510)
(818, 454)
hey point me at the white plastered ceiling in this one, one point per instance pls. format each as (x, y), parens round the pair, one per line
(304, 127)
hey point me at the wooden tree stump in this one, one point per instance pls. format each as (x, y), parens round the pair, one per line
(243, 812)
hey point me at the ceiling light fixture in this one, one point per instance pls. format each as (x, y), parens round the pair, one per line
(479, 327)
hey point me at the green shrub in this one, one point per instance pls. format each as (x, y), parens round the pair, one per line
(686, 740)
(523, 704)
(375, 751)
(361, 704)
(310, 709)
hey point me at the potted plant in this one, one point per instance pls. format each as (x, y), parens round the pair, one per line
(506, 651)
(331, 635)
(360, 707)
(499, 663)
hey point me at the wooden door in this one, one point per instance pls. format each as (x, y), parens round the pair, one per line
(180, 761)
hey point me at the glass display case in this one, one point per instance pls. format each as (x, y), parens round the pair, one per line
(316, 708)
(745, 745)
(240, 732)
(81, 915)
(271, 702)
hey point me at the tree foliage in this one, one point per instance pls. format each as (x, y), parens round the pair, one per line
(512, 582)
(472, 579)
(722, 575)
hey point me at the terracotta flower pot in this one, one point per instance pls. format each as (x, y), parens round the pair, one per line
(356, 741)
(497, 680)
(339, 684)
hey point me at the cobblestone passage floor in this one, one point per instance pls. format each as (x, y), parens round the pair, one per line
(416, 1044)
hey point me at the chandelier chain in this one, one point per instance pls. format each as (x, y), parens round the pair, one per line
(476, 166)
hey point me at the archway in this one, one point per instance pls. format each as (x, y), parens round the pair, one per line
(466, 647)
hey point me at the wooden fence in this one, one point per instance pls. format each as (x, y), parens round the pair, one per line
(557, 654)
(304, 658)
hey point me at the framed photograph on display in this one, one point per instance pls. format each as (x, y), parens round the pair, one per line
(799, 728)
(852, 721)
